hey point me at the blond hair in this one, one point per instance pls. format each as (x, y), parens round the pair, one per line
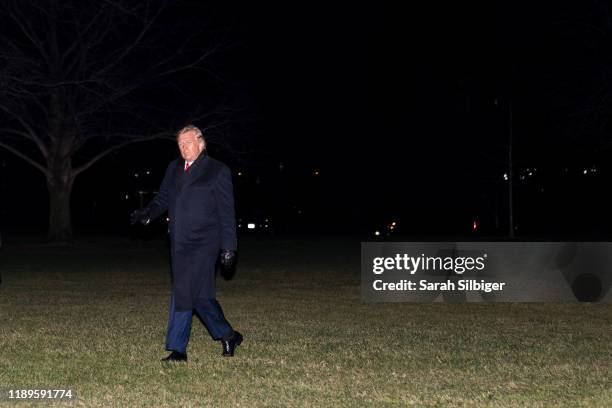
(192, 128)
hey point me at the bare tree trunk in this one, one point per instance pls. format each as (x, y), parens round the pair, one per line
(60, 222)
(60, 176)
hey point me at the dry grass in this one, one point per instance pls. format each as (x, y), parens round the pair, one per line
(93, 318)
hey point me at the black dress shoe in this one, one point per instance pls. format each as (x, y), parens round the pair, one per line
(176, 356)
(229, 345)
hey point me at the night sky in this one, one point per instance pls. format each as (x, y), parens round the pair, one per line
(404, 110)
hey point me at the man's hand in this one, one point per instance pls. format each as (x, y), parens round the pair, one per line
(141, 216)
(228, 258)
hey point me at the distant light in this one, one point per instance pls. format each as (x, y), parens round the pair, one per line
(167, 219)
(239, 225)
(127, 197)
(505, 176)
(584, 172)
(136, 175)
(316, 172)
(377, 233)
(530, 174)
(251, 225)
(148, 172)
(240, 173)
(393, 223)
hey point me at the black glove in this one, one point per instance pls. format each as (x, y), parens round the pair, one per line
(228, 258)
(142, 216)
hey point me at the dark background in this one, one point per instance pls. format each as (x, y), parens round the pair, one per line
(352, 116)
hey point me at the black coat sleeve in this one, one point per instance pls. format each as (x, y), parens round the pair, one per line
(224, 196)
(159, 204)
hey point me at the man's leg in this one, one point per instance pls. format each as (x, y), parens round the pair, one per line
(211, 314)
(179, 328)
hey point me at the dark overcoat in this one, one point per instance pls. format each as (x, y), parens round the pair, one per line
(200, 205)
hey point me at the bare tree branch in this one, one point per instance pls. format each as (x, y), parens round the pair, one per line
(127, 50)
(24, 157)
(27, 30)
(51, 84)
(192, 64)
(29, 133)
(83, 32)
(104, 153)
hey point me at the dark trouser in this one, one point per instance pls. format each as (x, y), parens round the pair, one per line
(179, 323)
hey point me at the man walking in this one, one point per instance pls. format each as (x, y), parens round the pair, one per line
(198, 195)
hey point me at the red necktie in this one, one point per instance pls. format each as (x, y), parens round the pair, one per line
(186, 166)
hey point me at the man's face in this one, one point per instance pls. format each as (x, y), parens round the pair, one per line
(190, 145)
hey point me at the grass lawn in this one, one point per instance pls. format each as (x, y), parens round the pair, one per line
(93, 318)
